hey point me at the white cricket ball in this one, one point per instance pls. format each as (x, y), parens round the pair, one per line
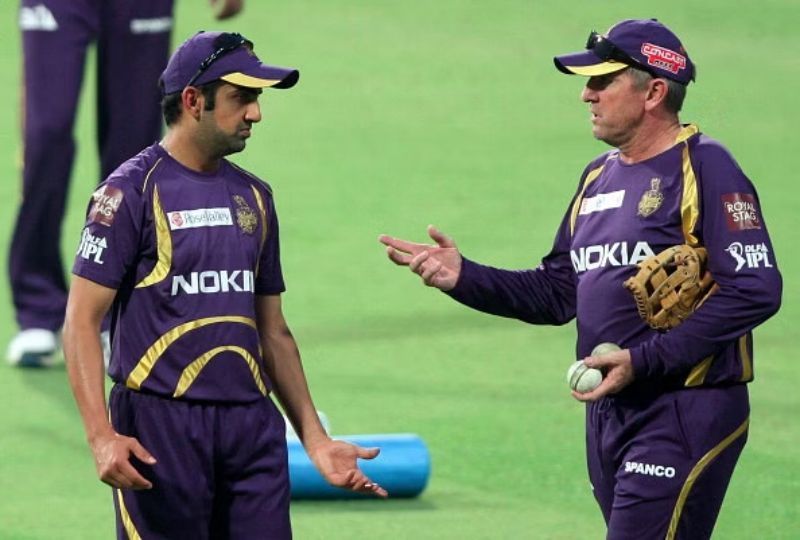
(605, 348)
(582, 378)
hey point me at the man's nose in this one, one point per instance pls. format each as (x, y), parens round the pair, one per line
(253, 112)
(588, 95)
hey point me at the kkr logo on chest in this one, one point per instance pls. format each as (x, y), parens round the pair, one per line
(616, 254)
(651, 200)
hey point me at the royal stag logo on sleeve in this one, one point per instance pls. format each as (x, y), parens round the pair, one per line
(107, 200)
(741, 211)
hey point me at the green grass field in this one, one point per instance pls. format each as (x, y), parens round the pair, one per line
(445, 112)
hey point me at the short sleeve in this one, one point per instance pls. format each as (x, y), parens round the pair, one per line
(269, 279)
(109, 242)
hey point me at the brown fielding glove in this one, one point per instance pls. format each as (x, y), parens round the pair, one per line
(670, 286)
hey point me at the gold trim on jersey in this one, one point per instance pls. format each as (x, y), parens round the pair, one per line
(147, 177)
(690, 213)
(192, 371)
(163, 245)
(263, 211)
(698, 374)
(125, 517)
(690, 205)
(690, 208)
(686, 131)
(696, 471)
(747, 362)
(148, 360)
(590, 177)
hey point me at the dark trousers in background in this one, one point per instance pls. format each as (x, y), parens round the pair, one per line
(133, 39)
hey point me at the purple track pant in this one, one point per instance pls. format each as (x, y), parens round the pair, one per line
(132, 38)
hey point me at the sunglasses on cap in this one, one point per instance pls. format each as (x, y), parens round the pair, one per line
(605, 50)
(225, 43)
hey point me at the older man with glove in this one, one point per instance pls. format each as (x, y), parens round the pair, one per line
(667, 424)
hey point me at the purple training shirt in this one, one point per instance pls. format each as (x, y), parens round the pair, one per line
(187, 252)
(692, 193)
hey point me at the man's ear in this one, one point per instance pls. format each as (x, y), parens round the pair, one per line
(193, 101)
(656, 93)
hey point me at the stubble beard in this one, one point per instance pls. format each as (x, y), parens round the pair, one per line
(221, 144)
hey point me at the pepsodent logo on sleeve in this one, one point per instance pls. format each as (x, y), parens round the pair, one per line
(741, 211)
(106, 203)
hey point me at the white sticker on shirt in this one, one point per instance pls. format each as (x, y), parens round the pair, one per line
(602, 201)
(202, 217)
(751, 255)
(37, 18)
(156, 25)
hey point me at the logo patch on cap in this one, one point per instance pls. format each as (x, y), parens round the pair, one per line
(663, 58)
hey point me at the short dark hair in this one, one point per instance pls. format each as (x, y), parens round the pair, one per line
(171, 103)
(676, 92)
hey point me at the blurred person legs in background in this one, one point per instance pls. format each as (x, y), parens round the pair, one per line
(133, 40)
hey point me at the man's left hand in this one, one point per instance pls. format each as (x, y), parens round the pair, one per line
(618, 373)
(336, 461)
(225, 9)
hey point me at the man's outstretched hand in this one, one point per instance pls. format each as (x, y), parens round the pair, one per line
(439, 265)
(337, 462)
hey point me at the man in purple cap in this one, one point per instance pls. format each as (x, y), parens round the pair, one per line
(667, 424)
(132, 38)
(182, 245)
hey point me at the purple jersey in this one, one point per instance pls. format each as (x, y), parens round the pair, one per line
(187, 252)
(693, 193)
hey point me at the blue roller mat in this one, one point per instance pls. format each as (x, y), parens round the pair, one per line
(402, 467)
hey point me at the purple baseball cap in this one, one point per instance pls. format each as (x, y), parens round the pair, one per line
(209, 56)
(643, 43)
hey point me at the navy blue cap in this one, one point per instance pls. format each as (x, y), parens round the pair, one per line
(209, 56)
(643, 43)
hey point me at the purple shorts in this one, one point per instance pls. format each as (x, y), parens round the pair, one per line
(660, 468)
(222, 469)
